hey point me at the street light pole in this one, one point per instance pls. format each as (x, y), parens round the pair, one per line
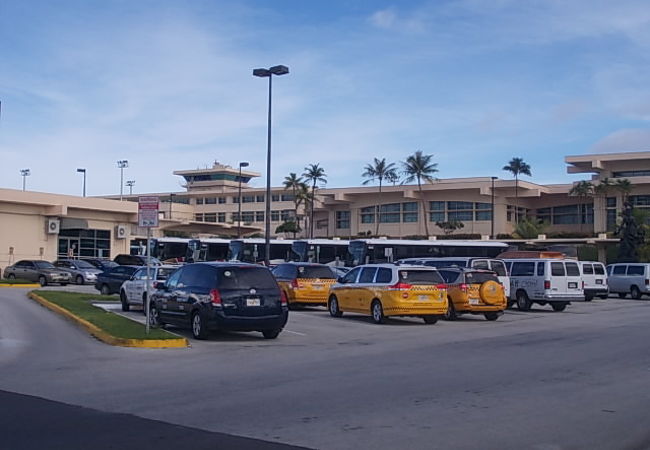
(130, 184)
(241, 164)
(275, 70)
(171, 200)
(122, 164)
(25, 173)
(492, 214)
(84, 172)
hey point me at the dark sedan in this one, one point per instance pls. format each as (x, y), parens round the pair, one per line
(109, 282)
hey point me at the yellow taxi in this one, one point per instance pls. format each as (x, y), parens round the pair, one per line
(304, 283)
(385, 290)
(475, 292)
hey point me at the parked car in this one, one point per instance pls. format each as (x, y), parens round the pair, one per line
(475, 292)
(552, 281)
(385, 290)
(102, 264)
(134, 260)
(594, 276)
(81, 271)
(134, 290)
(36, 270)
(493, 264)
(304, 283)
(221, 296)
(629, 278)
(110, 281)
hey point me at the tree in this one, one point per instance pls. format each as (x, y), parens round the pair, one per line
(583, 190)
(517, 167)
(624, 186)
(313, 174)
(295, 184)
(450, 226)
(529, 228)
(418, 167)
(380, 171)
(288, 227)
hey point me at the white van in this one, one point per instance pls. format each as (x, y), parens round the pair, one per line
(629, 278)
(495, 265)
(557, 282)
(595, 280)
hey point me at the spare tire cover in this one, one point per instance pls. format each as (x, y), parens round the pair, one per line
(491, 293)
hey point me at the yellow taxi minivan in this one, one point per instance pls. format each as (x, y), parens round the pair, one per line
(304, 283)
(475, 292)
(385, 290)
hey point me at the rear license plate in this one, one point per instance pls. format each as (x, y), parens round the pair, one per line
(423, 297)
(252, 301)
(317, 288)
(474, 301)
(573, 285)
(599, 281)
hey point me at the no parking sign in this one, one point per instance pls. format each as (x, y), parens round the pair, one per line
(148, 208)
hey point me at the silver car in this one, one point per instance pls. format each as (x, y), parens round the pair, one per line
(82, 272)
(36, 270)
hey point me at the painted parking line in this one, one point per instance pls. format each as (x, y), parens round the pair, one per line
(294, 332)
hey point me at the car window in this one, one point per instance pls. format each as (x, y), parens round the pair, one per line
(62, 264)
(499, 268)
(118, 270)
(83, 265)
(384, 275)
(450, 276)
(572, 269)
(245, 277)
(557, 269)
(201, 276)
(619, 270)
(367, 274)
(480, 277)
(315, 272)
(164, 273)
(588, 269)
(140, 274)
(635, 270)
(172, 281)
(599, 269)
(420, 277)
(522, 269)
(541, 269)
(480, 264)
(351, 276)
(44, 265)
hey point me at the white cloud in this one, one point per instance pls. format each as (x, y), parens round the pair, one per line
(626, 140)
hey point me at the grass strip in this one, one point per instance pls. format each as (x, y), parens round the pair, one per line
(113, 324)
(17, 281)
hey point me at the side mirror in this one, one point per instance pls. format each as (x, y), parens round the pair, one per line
(340, 280)
(160, 285)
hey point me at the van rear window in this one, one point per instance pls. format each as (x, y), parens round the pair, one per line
(557, 269)
(480, 277)
(315, 272)
(599, 270)
(499, 268)
(420, 276)
(572, 270)
(246, 277)
(587, 269)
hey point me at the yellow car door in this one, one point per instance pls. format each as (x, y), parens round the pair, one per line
(365, 291)
(345, 290)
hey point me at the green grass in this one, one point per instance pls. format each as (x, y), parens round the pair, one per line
(118, 326)
(17, 281)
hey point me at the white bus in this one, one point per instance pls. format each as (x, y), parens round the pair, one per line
(253, 250)
(323, 251)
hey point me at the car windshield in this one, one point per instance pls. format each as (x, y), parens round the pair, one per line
(44, 265)
(246, 277)
(420, 277)
(315, 272)
(480, 277)
(83, 265)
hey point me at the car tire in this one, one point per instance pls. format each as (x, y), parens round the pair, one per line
(79, 279)
(430, 320)
(635, 293)
(492, 316)
(105, 290)
(558, 306)
(523, 302)
(11, 276)
(125, 302)
(604, 297)
(589, 298)
(42, 280)
(271, 334)
(199, 330)
(333, 307)
(451, 314)
(377, 312)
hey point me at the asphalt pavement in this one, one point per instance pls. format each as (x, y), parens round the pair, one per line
(540, 379)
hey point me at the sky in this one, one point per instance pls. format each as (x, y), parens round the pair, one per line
(168, 85)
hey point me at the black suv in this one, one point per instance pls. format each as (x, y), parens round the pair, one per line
(135, 260)
(221, 296)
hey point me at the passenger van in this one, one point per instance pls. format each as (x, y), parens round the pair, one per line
(495, 265)
(595, 279)
(552, 281)
(629, 278)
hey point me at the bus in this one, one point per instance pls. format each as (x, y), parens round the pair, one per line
(323, 251)
(253, 250)
(208, 249)
(164, 248)
(372, 251)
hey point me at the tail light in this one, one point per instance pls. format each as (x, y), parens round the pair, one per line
(399, 286)
(215, 297)
(441, 286)
(547, 284)
(294, 284)
(583, 284)
(283, 298)
(463, 287)
(647, 281)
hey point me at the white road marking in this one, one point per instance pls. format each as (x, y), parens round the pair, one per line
(295, 332)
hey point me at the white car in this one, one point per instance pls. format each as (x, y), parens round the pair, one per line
(134, 290)
(595, 278)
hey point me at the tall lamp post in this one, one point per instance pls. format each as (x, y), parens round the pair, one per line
(171, 201)
(84, 172)
(122, 164)
(25, 173)
(268, 73)
(492, 214)
(241, 164)
(130, 184)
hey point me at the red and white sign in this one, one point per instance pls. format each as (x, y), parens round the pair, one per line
(148, 209)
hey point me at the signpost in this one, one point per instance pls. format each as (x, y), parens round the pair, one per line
(148, 209)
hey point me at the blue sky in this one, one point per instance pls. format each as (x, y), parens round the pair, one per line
(168, 85)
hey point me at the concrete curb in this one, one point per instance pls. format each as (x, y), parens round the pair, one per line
(106, 337)
(8, 285)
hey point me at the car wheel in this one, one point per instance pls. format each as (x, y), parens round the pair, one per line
(271, 334)
(333, 307)
(199, 331)
(558, 306)
(635, 293)
(377, 312)
(523, 303)
(105, 290)
(125, 301)
(11, 276)
(622, 295)
(491, 316)
(430, 320)
(79, 279)
(604, 297)
(589, 298)
(451, 311)
(42, 280)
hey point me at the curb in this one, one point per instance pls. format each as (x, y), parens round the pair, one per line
(106, 337)
(8, 285)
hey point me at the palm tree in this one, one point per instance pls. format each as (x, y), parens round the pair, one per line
(517, 167)
(624, 186)
(583, 190)
(418, 167)
(294, 182)
(379, 170)
(313, 174)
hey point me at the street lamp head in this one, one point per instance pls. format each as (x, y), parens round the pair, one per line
(261, 73)
(130, 183)
(25, 172)
(123, 164)
(81, 170)
(279, 70)
(494, 178)
(243, 164)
